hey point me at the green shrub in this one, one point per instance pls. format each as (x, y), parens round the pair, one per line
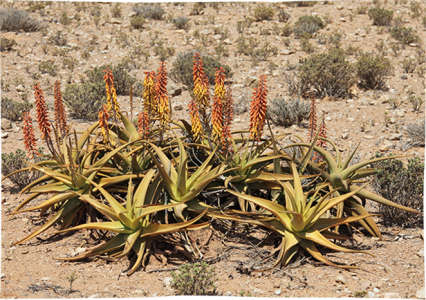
(416, 132)
(149, 11)
(69, 63)
(416, 102)
(122, 78)
(58, 39)
(404, 35)
(307, 25)
(64, 19)
(181, 70)
(15, 19)
(13, 110)
(116, 10)
(404, 185)
(194, 279)
(409, 65)
(13, 161)
(380, 16)
(181, 22)
(263, 12)
(6, 44)
(137, 22)
(302, 3)
(328, 73)
(373, 70)
(307, 46)
(48, 67)
(283, 16)
(85, 100)
(197, 8)
(288, 113)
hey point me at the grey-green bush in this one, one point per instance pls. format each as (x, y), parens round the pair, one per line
(194, 279)
(181, 70)
(149, 11)
(404, 35)
(288, 112)
(329, 73)
(380, 16)
(263, 12)
(13, 110)
(12, 19)
(373, 70)
(403, 183)
(307, 25)
(85, 100)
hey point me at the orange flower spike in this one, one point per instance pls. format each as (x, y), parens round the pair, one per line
(201, 86)
(42, 117)
(228, 115)
(143, 125)
(60, 116)
(149, 94)
(103, 122)
(112, 101)
(196, 127)
(163, 109)
(258, 109)
(218, 101)
(29, 138)
(323, 134)
(312, 129)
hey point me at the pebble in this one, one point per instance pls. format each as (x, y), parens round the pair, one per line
(277, 292)
(421, 253)
(376, 290)
(404, 77)
(177, 106)
(20, 88)
(384, 148)
(391, 295)
(154, 295)
(421, 293)
(166, 282)
(364, 284)
(5, 124)
(368, 137)
(340, 279)
(228, 293)
(94, 296)
(2, 276)
(413, 45)
(342, 20)
(227, 42)
(45, 279)
(80, 250)
(395, 137)
(370, 294)
(350, 119)
(345, 135)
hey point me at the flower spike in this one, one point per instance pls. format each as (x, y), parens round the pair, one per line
(201, 85)
(228, 115)
(218, 101)
(258, 109)
(197, 128)
(143, 125)
(60, 116)
(163, 109)
(112, 102)
(42, 117)
(29, 139)
(149, 94)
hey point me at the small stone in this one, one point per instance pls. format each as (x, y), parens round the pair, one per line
(339, 7)
(370, 294)
(404, 77)
(166, 282)
(400, 113)
(421, 293)
(413, 45)
(287, 52)
(350, 119)
(177, 106)
(25, 251)
(227, 42)
(368, 137)
(94, 296)
(142, 292)
(390, 295)
(80, 250)
(206, 32)
(392, 120)
(173, 90)
(277, 292)
(365, 102)
(276, 73)
(340, 279)
(258, 291)
(395, 137)
(364, 284)
(328, 118)
(421, 253)
(384, 148)
(5, 124)
(345, 136)
(227, 293)
(342, 20)
(2, 276)
(15, 128)
(20, 88)
(182, 31)
(376, 290)
(154, 295)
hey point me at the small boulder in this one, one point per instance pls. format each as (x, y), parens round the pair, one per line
(5, 124)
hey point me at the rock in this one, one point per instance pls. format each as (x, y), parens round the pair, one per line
(276, 73)
(217, 36)
(154, 295)
(142, 292)
(2, 276)
(364, 284)
(45, 279)
(400, 113)
(421, 253)
(345, 136)
(395, 137)
(350, 119)
(404, 77)
(166, 282)
(228, 293)
(384, 148)
(79, 250)
(287, 52)
(95, 296)
(173, 90)
(278, 292)
(342, 20)
(15, 128)
(5, 124)
(277, 284)
(227, 42)
(392, 120)
(368, 137)
(4, 135)
(182, 31)
(20, 88)
(258, 291)
(413, 45)
(370, 294)
(390, 295)
(251, 81)
(376, 290)
(365, 102)
(114, 21)
(421, 293)
(177, 106)
(206, 31)
(339, 7)
(340, 279)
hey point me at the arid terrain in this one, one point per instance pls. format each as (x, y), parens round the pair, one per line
(94, 37)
